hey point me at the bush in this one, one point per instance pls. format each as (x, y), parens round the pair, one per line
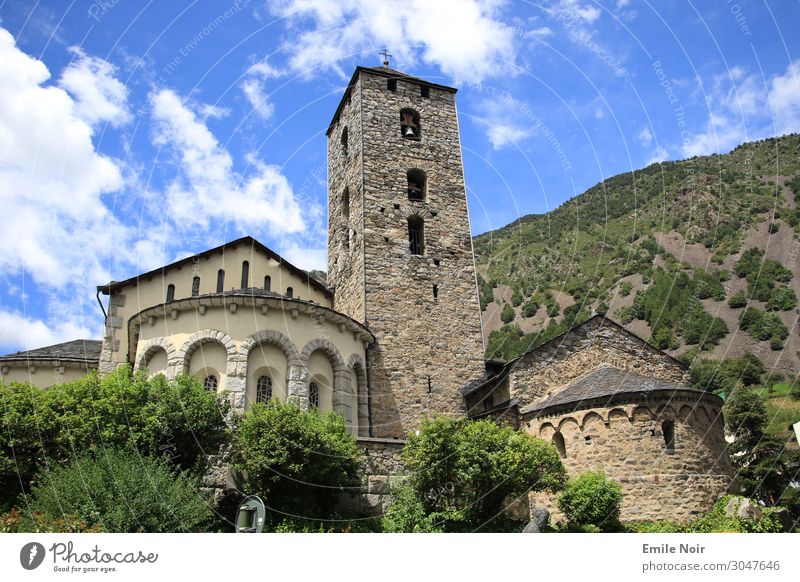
(782, 298)
(507, 314)
(530, 308)
(122, 492)
(737, 300)
(178, 419)
(591, 499)
(463, 472)
(298, 461)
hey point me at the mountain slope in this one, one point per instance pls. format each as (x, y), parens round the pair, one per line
(659, 250)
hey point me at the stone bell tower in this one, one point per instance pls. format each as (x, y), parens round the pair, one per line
(399, 244)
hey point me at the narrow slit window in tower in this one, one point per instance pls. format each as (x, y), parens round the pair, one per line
(170, 292)
(344, 141)
(220, 280)
(195, 286)
(416, 184)
(416, 235)
(267, 283)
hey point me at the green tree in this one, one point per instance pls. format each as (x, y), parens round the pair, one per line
(591, 499)
(737, 300)
(762, 461)
(298, 461)
(530, 308)
(507, 315)
(122, 491)
(462, 472)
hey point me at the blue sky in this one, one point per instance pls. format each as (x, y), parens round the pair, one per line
(133, 133)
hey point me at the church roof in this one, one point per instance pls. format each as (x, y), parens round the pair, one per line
(245, 240)
(605, 382)
(383, 72)
(81, 350)
(498, 374)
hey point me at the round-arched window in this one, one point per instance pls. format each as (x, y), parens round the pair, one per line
(210, 383)
(313, 396)
(264, 389)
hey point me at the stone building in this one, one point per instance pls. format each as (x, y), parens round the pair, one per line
(608, 400)
(397, 335)
(50, 365)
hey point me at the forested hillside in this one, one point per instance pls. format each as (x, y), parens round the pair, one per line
(697, 256)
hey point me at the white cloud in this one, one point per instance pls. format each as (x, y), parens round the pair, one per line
(462, 37)
(657, 156)
(99, 95)
(737, 113)
(503, 122)
(307, 258)
(207, 186)
(213, 111)
(645, 137)
(51, 179)
(574, 11)
(264, 70)
(258, 99)
(26, 333)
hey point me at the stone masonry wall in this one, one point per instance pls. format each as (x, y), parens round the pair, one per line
(427, 346)
(543, 371)
(626, 441)
(383, 470)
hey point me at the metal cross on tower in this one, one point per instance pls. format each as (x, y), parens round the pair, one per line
(386, 57)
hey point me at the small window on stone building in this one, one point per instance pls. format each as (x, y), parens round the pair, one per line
(425, 91)
(416, 184)
(195, 286)
(344, 141)
(435, 291)
(267, 283)
(668, 430)
(409, 124)
(313, 395)
(264, 389)
(560, 445)
(245, 274)
(170, 292)
(391, 84)
(210, 383)
(346, 202)
(220, 281)
(289, 292)
(587, 439)
(416, 235)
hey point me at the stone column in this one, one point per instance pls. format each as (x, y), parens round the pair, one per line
(297, 386)
(343, 395)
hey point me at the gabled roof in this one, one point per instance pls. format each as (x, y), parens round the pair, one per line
(382, 72)
(499, 376)
(81, 350)
(606, 382)
(244, 241)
